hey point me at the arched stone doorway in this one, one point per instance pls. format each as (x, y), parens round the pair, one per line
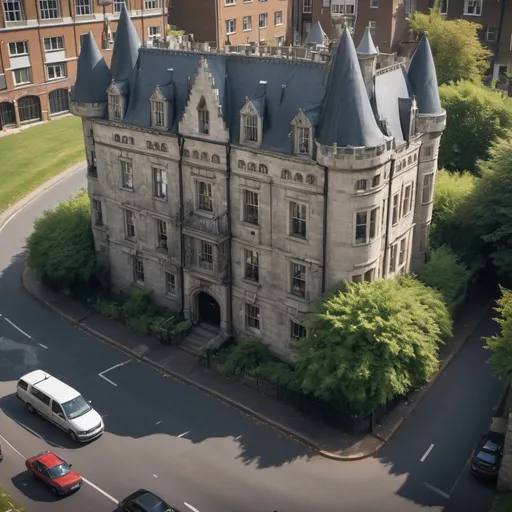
(59, 101)
(29, 108)
(208, 309)
(7, 115)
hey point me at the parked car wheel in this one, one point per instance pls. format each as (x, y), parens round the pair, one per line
(30, 408)
(73, 437)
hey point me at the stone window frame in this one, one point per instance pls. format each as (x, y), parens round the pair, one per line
(170, 283)
(252, 267)
(116, 109)
(97, 209)
(160, 187)
(203, 117)
(201, 198)
(162, 235)
(247, 209)
(293, 220)
(128, 215)
(159, 118)
(126, 168)
(296, 266)
(367, 276)
(395, 209)
(397, 249)
(427, 189)
(252, 315)
(408, 199)
(303, 134)
(294, 332)
(249, 111)
(368, 238)
(138, 270)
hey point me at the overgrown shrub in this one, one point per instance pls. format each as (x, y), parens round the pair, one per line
(245, 357)
(280, 373)
(445, 273)
(139, 303)
(108, 309)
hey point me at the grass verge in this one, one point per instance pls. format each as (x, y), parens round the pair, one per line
(503, 502)
(33, 156)
(7, 504)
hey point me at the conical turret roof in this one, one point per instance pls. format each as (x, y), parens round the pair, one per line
(423, 79)
(366, 46)
(93, 76)
(126, 48)
(348, 119)
(317, 35)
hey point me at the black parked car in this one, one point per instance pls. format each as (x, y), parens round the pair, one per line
(146, 501)
(486, 460)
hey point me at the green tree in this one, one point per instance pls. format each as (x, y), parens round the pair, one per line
(500, 345)
(61, 247)
(476, 117)
(372, 341)
(446, 274)
(457, 51)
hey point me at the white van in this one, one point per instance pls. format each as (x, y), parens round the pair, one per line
(60, 404)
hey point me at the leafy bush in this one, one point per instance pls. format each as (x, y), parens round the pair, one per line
(138, 303)
(446, 274)
(108, 309)
(140, 323)
(61, 246)
(245, 357)
(181, 327)
(279, 373)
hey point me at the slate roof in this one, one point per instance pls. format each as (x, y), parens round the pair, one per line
(126, 47)
(317, 35)
(366, 46)
(348, 119)
(93, 71)
(423, 78)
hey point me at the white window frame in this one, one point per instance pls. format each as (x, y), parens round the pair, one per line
(298, 213)
(276, 22)
(206, 255)
(204, 197)
(445, 5)
(307, 6)
(297, 331)
(16, 14)
(56, 71)
(203, 117)
(151, 5)
(14, 45)
(402, 252)
(126, 174)
(488, 31)
(138, 270)
(115, 107)
(251, 265)
(251, 128)
(251, 207)
(117, 6)
(154, 32)
(230, 26)
(372, 25)
(252, 317)
(162, 234)
(427, 190)
(407, 199)
(130, 231)
(227, 3)
(170, 283)
(343, 7)
(393, 258)
(160, 186)
(263, 18)
(374, 4)
(83, 7)
(303, 140)
(395, 209)
(473, 7)
(298, 275)
(53, 44)
(361, 185)
(18, 78)
(366, 226)
(158, 114)
(247, 23)
(49, 9)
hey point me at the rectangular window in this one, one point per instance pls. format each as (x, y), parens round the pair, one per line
(205, 196)
(297, 331)
(427, 151)
(170, 283)
(384, 211)
(230, 26)
(98, 213)
(152, 4)
(22, 76)
(158, 113)
(49, 9)
(343, 7)
(401, 253)
(307, 6)
(204, 120)
(491, 34)
(114, 106)
(161, 227)
(138, 270)
(368, 275)
(129, 218)
(396, 203)
(278, 18)
(366, 226)
(473, 7)
(392, 258)
(376, 181)
(263, 20)
(206, 255)
(18, 48)
(426, 193)
(304, 140)
(374, 4)
(252, 317)
(251, 207)
(83, 7)
(53, 43)
(407, 199)
(372, 25)
(358, 278)
(56, 71)
(298, 280)
(14, 10)
(127, 174)
(154, 32)
(160, 183)
(251, 128)
(444, 6)
(118, 5)
(252, 265)
(298, 219)
(229, 2)
(247, 23)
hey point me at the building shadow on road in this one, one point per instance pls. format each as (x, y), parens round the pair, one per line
(145, 403)
(33, 489)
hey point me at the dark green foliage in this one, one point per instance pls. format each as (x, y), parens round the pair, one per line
(446, 274)
(61, 247)
(108, 309)
(138, 303)
(372, 342)
(245, 357)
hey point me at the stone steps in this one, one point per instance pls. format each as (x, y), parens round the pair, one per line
(198, 338)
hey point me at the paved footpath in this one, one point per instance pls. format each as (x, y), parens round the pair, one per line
(176, 363)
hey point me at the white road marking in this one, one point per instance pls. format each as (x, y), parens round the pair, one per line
(436, 490)
(102, 374)
(425, 455)
(158, 422)
(155, 475)
(43, 346)
(237, 438)
(101, 491)
(16, 327)
(194, 509)
(9, 444)
(184, 433)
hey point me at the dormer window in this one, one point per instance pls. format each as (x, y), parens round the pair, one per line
(251, 128)
(203, 117)
(251, 122)
(157, 113)
(304, 140)
(115, 107)
(302, 134)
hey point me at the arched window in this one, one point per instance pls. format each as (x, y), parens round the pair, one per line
(164, 148)
(204, 156)
(132, 142)
(298, 177)
(241, 164)
(415, 157)
(263, 169)
(195, 155)
(310, 179)
(203, 117)
(409, 160)
(156, 146)
(251, 167)
(215, 159)
(361, 185)
(286, 174)
(117, 138)
(404, 163)
(149, 144)
(29, 108)
(7, 114)
(59, 101)
(125, 139)
(186, 153)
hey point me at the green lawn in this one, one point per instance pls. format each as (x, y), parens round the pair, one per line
(7, 504)
(503, 503)
(33, 156)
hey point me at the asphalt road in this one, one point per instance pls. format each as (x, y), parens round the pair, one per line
(202, 455)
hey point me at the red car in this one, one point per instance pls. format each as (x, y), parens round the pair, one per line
(54, 472)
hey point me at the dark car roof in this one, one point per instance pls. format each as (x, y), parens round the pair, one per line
(151, 502)
(492, 442)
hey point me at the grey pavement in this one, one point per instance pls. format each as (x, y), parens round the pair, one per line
(195, 450)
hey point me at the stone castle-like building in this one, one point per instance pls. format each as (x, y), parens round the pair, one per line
(239, 189)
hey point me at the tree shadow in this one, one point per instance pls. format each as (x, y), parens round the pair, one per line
(144, 403)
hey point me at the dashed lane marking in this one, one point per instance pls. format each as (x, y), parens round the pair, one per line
(437, 491)
(43, 346)
(425, 455)
(184, 433)
(194, 509)
(17, 328)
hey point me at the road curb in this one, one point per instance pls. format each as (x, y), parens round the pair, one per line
(11, 211)
(247, 410)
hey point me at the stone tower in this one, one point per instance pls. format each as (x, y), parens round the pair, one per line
(367, 55)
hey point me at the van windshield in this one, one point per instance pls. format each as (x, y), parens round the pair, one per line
(76, 407)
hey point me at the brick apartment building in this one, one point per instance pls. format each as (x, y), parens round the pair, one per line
(239, 21)
(40, 44)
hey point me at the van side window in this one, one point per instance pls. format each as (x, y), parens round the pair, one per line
(22, 384)
(40, 396)
(56, 408)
